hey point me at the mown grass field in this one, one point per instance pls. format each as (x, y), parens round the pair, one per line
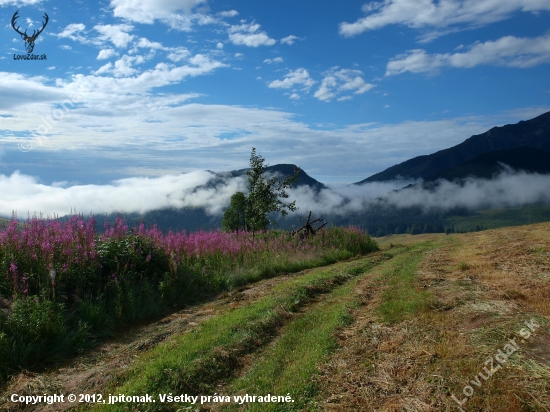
(416, 326)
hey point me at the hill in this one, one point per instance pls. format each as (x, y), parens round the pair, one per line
(284, 169)
(193, 219)
(534, 133)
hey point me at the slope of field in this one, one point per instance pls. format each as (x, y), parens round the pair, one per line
(495, 218)
(430, 323)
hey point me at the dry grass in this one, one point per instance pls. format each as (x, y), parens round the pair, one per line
(485, 286)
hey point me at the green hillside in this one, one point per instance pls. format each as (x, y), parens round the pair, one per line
(495, 218)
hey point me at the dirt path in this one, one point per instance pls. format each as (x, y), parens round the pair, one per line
(92, 372)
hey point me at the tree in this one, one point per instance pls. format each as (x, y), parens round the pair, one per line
(234, 218)
(264, 195)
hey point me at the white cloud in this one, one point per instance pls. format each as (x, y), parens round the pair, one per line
(178, 55)
(19, 2)
(341, 80)
(296, 78)
(73, 32)
(106, 53)
(275, 60)
(120, 123)
(178, 14)
(175, 54)
(115, 33)
(325, 90)
(32, 90)
(123, 66)
(289, 39)
(138, 194)
(509, 189)
(106, 68)
(147, 11)
(249, 35)
(507, 51)
(25, 194)
(440, 15)
(148, 44)
(161, 75)
(238, 55)
(229, 13)
(219, 46)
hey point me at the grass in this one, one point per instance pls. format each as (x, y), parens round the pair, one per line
(405, 334)
(195, 362)
(496, 218)
(289, 366)
(401, 298)
(442, 310)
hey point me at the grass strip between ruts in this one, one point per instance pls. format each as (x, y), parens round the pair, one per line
(290, 365)
(195, 362)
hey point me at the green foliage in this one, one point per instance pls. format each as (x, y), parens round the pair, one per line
(234, 218)
(264, 195)
(35, 329)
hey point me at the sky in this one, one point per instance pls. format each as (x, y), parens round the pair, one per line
(134, 93)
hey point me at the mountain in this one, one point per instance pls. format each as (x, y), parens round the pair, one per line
(193, 219)
(283, 170)
(534, 133)
(486, 165)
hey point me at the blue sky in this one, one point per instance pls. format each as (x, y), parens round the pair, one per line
(343, 89)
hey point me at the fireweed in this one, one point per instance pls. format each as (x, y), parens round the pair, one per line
(63, 285)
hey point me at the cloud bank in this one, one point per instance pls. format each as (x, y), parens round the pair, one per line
(508, 51)
(25, 194)
(441, 17)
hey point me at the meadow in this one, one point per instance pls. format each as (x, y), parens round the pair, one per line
(64, 287)
(418, 325)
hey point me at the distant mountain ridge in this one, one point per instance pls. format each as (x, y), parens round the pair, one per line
(523, 146)
(487, 165)
(196, 218)
(534, 133)
(285, 170)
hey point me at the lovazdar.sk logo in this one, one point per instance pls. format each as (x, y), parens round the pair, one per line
(29, 40)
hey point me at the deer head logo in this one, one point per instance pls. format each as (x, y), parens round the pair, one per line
(29, 40)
